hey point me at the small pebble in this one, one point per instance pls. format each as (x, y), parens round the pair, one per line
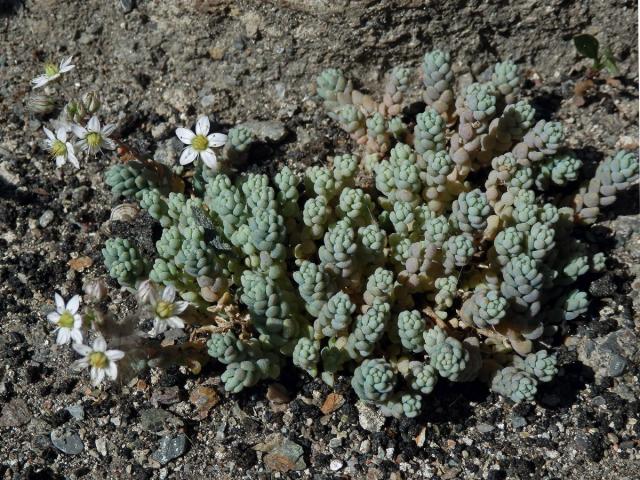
(170, 448)
(46, 218)
(335, 442)
(485, 428)
(335, 465)
(67, 441)
(127, 5)
(76, 411)
(518, 422)
(616, 366)
(101, 446)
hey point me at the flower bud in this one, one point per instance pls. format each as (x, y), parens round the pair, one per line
(95, 290)
(76, 111)
(41, 104)
(146, 291)
(91, 102)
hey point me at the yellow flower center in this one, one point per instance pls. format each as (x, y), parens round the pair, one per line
(164, 309)
(58, 148)
(94, 139)
(200, 143)
(98, 360)
(51, 69)
(66, 320)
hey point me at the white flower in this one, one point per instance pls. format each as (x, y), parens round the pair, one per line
(200, 144)
(67, 320)
(52, 71)
(93, 138)
(164, 308)
(60, 148)
(101, 361)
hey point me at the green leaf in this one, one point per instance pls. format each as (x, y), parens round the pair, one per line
(609, 62)
(586, 45)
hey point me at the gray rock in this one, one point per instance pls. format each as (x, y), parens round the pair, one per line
(76, 411)
(127, 5)
(281, 454)
(170, 448)
(161, 130)
(485, 428)
(15, 413)
(610, 355)
(208, 101)
(67, 441)
(267, 131)
(156, 420)
(518, 422)
(252, 22)
(46, 218)
(617, 364)
(370, 419)
(335, 442)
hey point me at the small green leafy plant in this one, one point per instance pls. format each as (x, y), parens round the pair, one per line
(588, 46)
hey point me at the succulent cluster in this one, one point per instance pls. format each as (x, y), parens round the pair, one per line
(441, 246)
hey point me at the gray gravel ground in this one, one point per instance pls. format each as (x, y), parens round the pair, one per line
(161, 64)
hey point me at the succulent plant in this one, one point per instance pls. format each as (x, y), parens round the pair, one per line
(360, 265)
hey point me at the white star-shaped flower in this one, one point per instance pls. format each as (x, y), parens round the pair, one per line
(200, 144)
(52, 71)
(67, 320)
(101, 361)
(60, 148)
(94, 138)
(164, 308)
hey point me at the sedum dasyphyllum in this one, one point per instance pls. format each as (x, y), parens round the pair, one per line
(441, 246)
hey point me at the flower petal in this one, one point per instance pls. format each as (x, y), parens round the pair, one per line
(94, 124)
(61, 134)
(108, 129)
(99, 344)
(82, 349)
(40, 81)
(76, 335)
(108, 144)
(59, 303)
(97, 375)
(66, 62)
(73, 304)
(64, 334)
(202, 125)
(114, 355)
(217, 139)
(179, 307)
(71, 156)
(112, 371)
(53, 317)
(60, 160)
(175, 322)
(80, 364)
(188, 156)
(209, 158)
(159, 326)
(49, 133)
(169, 294)
(78, 130)
(185, 135)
